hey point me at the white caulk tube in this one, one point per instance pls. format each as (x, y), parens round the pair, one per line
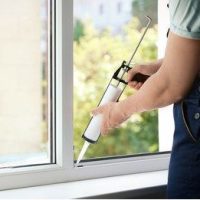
(92, 132)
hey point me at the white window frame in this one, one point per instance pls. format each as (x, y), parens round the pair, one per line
(64, 170)
(166, 121)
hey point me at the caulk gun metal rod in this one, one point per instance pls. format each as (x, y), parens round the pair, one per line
(142, 37)
(147, 27)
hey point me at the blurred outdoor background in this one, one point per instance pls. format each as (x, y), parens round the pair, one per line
(105, 34)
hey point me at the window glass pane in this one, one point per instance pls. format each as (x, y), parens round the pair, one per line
(101, 43)
(24, 82)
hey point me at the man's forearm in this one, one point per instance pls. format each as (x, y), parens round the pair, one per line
(171, 82)
(157, 64)
(155, 93)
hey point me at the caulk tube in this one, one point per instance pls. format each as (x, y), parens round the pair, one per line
(92, 132)
(112, 94)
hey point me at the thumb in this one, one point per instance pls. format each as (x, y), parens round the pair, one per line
(98, 110)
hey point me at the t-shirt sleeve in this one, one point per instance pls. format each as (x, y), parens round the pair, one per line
(185, 18)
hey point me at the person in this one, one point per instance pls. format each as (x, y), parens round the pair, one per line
(175, 79)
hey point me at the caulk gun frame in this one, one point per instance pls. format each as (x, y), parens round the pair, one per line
(138, 77)
(126, 69)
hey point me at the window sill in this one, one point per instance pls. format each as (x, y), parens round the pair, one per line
(91, 188)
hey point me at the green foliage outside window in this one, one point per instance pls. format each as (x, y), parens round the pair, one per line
(78, 30)
(97, 55)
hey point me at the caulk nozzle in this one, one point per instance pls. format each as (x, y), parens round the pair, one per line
(82, 153)
(77, 162)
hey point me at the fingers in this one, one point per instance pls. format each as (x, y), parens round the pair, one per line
(104, 129)
(107, 119)
(105, 126)
(133, 84)
(132, 72)
(136, 85)
(98, 110)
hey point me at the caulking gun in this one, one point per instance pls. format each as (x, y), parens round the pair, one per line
(112, 93)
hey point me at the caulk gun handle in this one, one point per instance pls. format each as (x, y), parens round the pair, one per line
(140, 77)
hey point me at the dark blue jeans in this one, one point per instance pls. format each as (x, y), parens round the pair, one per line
(184, 168)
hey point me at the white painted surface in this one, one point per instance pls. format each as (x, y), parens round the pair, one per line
(166, 122)
(166, 128)
(89, 187)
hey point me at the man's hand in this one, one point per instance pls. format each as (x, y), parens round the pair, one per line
(112, 116)
(145, 69)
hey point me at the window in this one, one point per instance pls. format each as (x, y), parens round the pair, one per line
(98, 53)
(25, 88)
(63, 141)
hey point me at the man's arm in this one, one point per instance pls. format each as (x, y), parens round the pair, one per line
(173, 80)
(168, 85)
